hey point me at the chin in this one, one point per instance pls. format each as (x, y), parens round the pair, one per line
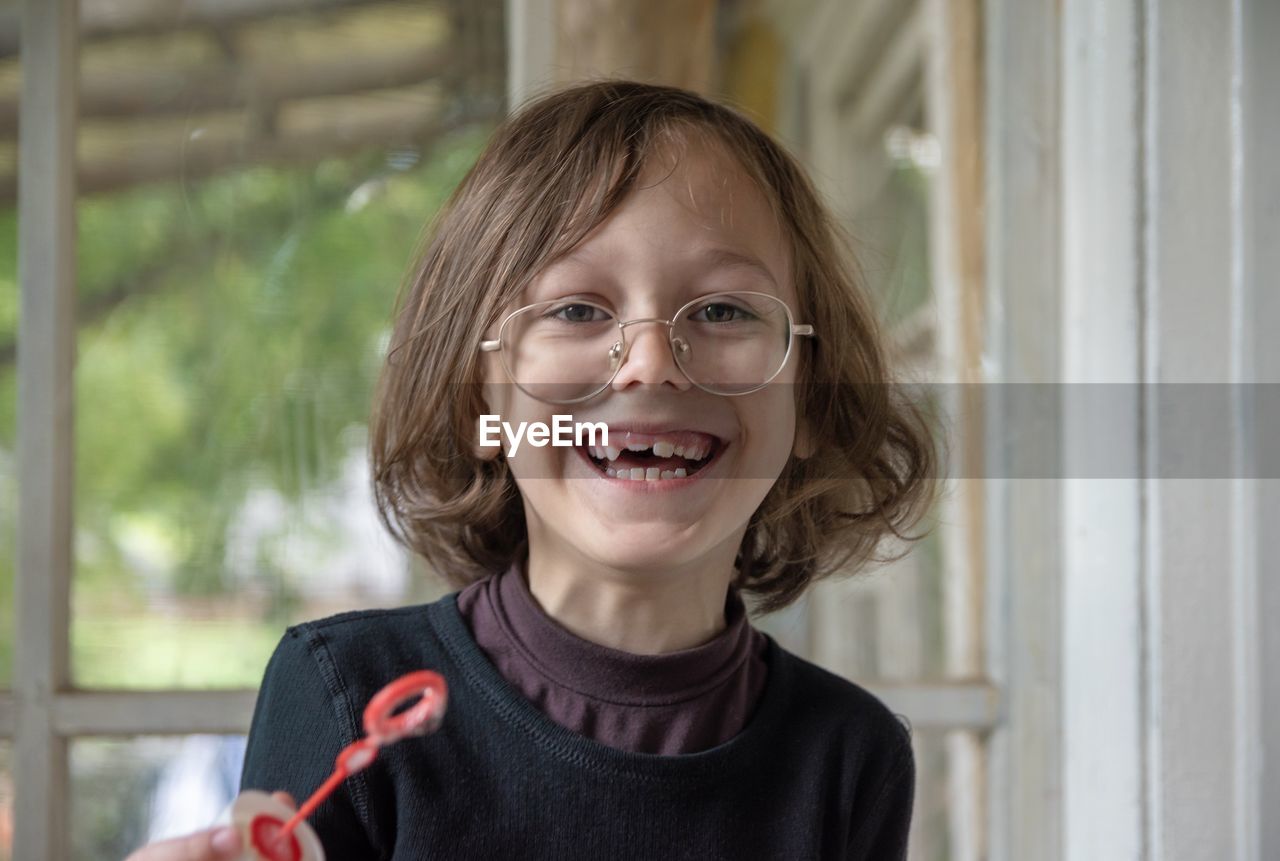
(645, 551)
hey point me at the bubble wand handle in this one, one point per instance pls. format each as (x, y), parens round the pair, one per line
(412, 705)
(326, 789)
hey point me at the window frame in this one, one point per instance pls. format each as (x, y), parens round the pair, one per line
(44, 712)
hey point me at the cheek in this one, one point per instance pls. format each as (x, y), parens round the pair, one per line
(771, 424)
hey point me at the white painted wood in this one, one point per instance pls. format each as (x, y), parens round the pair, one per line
(46, 355)
(953, 106)
(153, 713)
(943, 705)
(1189, 204)
(1102, 518)
(1152, 550)
(531, 48)
(1023, 582)
(1258, 604)
(1244, 591)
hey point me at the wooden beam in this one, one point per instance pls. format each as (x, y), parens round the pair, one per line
(108, 19)
(957, 239)
(850, 39)
(889, 85)
(46, 359)
(1022, 41)
(943, 705)
(163, 92)
(662, 41)
(152, 712)
(202, 158)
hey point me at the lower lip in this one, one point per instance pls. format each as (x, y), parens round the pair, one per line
(657, 485)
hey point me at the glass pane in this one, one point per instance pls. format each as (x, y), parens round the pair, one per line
(947, 815)
(238, 266)
(6, 804)
(9, 86)
(887, 624)
(127, 792)
(897, 225)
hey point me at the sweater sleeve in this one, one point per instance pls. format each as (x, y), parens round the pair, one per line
(882, 832)
(300, 723)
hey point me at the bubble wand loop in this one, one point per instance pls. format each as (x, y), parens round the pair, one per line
(412, 705)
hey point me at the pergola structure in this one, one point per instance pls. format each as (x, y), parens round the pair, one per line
(179, 90)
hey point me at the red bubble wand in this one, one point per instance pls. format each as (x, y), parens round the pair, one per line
(412, 705)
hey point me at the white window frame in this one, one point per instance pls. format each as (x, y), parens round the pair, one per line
(44, 712)
(1052, 110)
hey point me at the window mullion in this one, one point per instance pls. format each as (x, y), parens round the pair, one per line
(172, 712)
(46, 356)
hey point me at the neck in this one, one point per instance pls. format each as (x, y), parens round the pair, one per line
(642, 612)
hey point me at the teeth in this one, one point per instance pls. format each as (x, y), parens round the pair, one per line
(652, 473)
(663, 449)
(613, 453)
(678, 451)
(637, 446)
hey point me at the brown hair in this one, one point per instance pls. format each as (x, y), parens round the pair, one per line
(550, 173)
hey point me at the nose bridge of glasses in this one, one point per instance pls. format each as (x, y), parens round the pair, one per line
(667, 334)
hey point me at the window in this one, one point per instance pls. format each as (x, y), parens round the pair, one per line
(252, 180)
(861, 97)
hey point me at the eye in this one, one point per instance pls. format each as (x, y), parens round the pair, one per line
(722, 312)
(577, 312)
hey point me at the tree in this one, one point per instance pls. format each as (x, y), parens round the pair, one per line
(230, 336)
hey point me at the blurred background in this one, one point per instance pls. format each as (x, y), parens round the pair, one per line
(215, 204)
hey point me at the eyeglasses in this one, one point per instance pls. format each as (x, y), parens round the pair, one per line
(566, 351)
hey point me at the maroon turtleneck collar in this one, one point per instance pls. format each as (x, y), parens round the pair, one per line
(678, 702)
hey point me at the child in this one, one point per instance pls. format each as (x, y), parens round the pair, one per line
(639, 256)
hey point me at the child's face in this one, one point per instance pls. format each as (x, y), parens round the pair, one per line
(648, 259)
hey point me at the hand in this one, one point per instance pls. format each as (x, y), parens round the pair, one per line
(211, 845)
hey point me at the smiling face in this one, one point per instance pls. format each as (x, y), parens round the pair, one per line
(682, 233)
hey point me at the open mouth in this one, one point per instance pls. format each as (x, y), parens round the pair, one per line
(655, 457)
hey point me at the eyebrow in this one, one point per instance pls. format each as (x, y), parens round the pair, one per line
(728, 258)
(714, 257)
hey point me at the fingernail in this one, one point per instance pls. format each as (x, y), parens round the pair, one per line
(225, 840)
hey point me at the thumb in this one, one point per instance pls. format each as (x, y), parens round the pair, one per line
(211, 845)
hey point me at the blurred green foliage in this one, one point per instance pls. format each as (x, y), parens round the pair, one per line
(230, 333)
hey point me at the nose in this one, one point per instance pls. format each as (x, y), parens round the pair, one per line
(647, 359)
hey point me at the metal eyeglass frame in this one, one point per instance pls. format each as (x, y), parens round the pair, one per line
(617, 353)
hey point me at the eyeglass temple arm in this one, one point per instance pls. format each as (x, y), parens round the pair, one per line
(802, 329)
(490, 346)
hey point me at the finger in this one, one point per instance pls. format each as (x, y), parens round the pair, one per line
(208, 845)
(285, 798)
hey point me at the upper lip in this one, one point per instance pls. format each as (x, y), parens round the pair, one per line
(655, 428)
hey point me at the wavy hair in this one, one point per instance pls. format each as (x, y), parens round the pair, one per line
(549, 174)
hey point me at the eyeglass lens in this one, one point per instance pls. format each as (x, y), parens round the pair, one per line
(565, 351)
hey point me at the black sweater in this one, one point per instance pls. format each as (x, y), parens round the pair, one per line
(822, 769)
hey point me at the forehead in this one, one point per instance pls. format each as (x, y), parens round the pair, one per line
(693, 205)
